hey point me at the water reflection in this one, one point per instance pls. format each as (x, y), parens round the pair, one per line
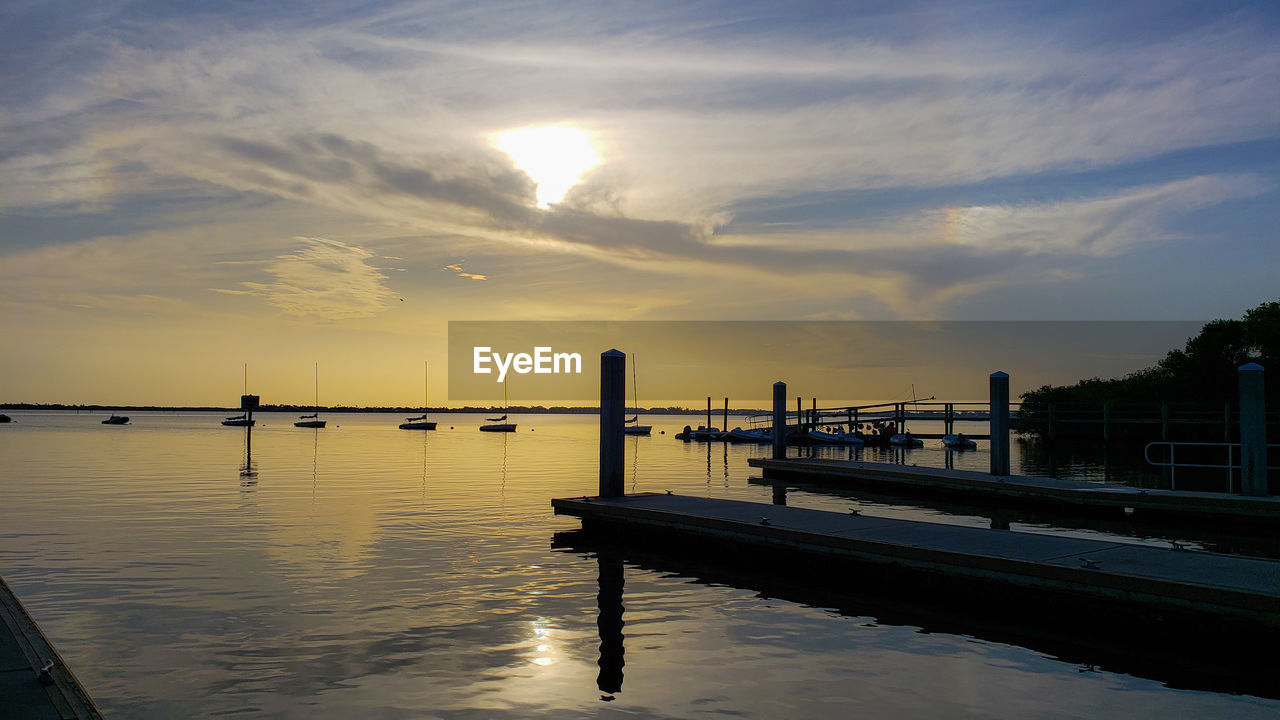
(248, 471)
(609, 622)
(1196, 658)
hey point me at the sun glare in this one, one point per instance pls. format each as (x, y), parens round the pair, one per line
(554, 157)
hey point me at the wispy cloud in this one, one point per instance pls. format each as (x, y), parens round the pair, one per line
(325, 278)
(457, 269)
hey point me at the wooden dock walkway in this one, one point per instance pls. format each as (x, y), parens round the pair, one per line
(1241, 591)
(24, 651)
(1063, 495)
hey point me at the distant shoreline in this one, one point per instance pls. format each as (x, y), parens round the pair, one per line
(514, 409)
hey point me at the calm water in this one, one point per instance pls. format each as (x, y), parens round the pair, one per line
(372, 572)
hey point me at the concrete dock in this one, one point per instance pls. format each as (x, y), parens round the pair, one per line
(1156, 582)
(1062, 495)
(26, 693)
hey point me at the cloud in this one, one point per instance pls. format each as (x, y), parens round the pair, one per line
(1101, 226)
(326, 278)
(457, 268)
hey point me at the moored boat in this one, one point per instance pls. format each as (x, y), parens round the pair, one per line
(313, 420)
(421, 422)
(759, 437)
(905, 440)
(239, 421)
(958, 441)
(836, 438)
(116, 420)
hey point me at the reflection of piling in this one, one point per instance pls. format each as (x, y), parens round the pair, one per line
(999, 398)
(1253, 431)
(609, 622)
(779, 420)
(613, 387)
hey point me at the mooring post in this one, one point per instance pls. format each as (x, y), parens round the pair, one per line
(708, 412)
(999, 398)
(613, 400)
(1253, 431)
(726, 415)
(799, 415)
(779, 420)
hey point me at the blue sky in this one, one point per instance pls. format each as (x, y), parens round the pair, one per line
(180, 176)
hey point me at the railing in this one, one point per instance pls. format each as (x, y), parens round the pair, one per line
(1173, 463)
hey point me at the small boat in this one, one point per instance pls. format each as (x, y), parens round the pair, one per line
(309, 421)
(421, 422)
(703, 433)
(418, 423)
(241, 420)
(116, 420)
(5, 418)
(633, 426)
(313, 420)
(836, 438)
(500, 424)
(958, 442)
(759, 437)
(905, 440)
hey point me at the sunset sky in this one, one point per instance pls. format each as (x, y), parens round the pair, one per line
(188, 187)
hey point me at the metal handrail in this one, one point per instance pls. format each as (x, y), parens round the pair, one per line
(1173, 463)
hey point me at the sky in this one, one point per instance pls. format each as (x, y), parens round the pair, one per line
(190, 188)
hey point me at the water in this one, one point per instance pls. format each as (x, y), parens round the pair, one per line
(372, 572)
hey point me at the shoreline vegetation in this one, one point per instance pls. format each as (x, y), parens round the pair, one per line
(1198, 382)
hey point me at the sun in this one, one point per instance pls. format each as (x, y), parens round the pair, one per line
(553, 157)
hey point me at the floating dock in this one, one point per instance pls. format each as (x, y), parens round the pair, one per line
(1151, 582)
(1063, 495)
(35, 684)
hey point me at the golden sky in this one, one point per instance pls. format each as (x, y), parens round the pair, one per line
(189, 191)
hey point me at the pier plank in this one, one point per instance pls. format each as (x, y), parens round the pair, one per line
(1059, 493)
(1201, 583)
(23, 649)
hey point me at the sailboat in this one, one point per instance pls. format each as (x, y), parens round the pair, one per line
(632, 426)
(242, 420)
(313, 420)
(421, 422)
(500, 424)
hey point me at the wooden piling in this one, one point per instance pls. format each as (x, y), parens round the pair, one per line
(999, 400)
(779, 420)
(1253, 431)
(708, 412)
(613, 399)
(725, 426)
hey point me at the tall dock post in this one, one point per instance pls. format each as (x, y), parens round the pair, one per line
(1000, 423)
(1253, 431)
(779, 420)
(726, 415)
(613, 399)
